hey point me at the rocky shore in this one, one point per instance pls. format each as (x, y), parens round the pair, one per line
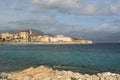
(45, 73)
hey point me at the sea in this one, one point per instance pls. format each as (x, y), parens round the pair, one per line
(83, 58)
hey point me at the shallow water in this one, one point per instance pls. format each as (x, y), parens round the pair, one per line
(92, 58)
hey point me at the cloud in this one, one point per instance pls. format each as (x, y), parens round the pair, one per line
(64, 6)
(50, 24)
(46, 24)
(91, 9)
(77, 7)
(35, 23)
(107, 28)
(116, 22)
(115, 8)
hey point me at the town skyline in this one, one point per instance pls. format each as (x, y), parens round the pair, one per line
(27, 37)
(97, 20)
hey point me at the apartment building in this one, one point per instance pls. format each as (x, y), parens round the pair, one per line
(24, 35)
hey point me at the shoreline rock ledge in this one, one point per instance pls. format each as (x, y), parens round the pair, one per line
(45, 73)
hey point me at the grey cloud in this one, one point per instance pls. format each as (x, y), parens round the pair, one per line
(43, 21)
(94, 10)
(107, 27)
(64, 6)
(90, 10)
(79, 7)
(19, 8)
(116, 22)
(52, 25)
(115, 8)
(46, 24)
(34, 23)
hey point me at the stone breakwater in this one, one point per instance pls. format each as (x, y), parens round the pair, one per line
(45, 73)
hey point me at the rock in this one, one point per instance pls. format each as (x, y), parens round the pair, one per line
(108, 76)
(118, 76)
(45, 73)
(4, 75)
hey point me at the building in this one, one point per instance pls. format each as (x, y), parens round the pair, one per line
(53, 39)
(7, 36)
(24, 35)
(45, 38)
(82, 41)
(34, 38)
(76, 39)
(67, 39)
(1, 38)
(89, 42)
(60, 38)
(16, 38)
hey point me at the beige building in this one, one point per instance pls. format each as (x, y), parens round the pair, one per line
(25, 35)
(7, 36)
(34, 38)
(45, 38)
(16, 36)
(0, 38)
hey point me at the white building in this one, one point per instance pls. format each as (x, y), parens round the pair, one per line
(60, 38)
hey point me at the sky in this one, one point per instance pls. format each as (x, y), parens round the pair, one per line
(98, 20)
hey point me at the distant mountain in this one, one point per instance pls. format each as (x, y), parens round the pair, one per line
(97, 37)
(34, 31)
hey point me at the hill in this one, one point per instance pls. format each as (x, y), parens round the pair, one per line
(34, 31)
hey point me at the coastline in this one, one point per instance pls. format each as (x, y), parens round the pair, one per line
(25, 43)
(46, 73)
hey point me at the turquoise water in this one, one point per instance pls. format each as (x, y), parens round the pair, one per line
(91, 58)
